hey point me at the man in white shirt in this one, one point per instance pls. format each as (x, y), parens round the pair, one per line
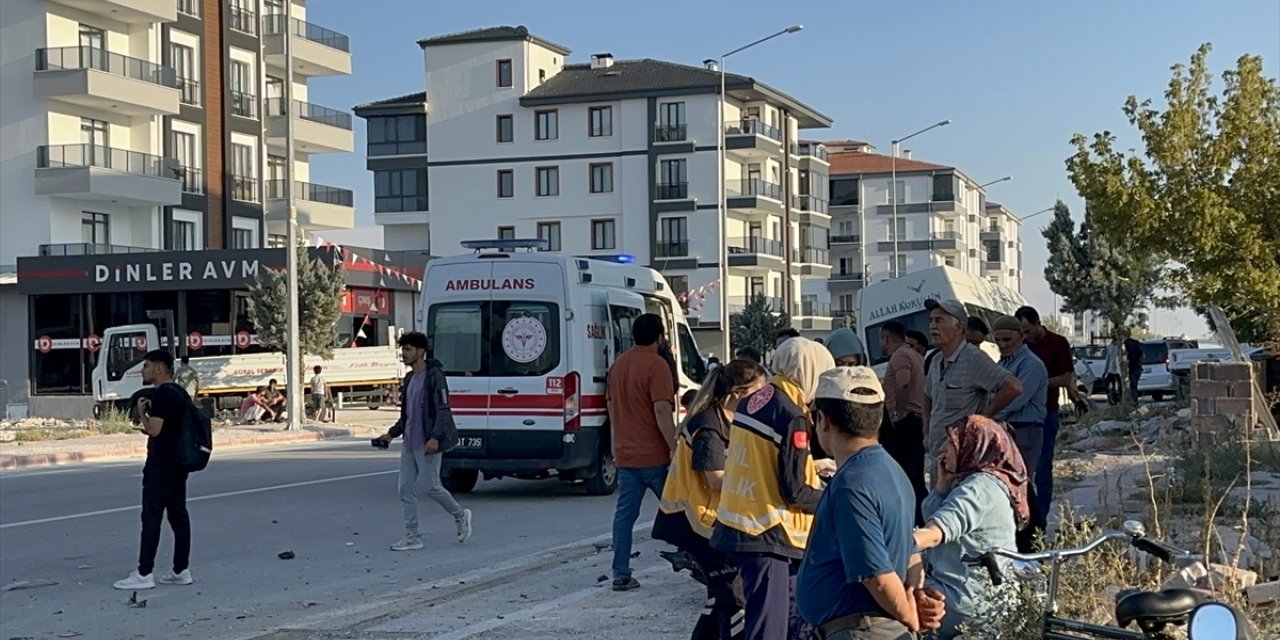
(319, 396)
(1111, 370)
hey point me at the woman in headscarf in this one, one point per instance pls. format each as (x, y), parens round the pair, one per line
(980, 502)
(846, 348)
(687, 510)
(797, 363)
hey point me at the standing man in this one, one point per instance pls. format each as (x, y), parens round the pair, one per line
(904, 404)
(1055, 351)
(640, 392)
(962, 380)
(1111, 369)
(1026, 413)
(426, 422)
(187, 378)
(918, 341)
(976, 331)
(1133, 353)
(164, 484)
(319, 395)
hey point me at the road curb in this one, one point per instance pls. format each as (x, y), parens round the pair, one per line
(23, 461)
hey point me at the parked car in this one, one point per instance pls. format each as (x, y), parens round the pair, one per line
(1157, 381)
(1090, 362)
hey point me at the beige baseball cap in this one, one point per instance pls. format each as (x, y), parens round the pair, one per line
(851, 384)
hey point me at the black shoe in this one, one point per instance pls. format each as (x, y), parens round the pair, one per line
(625, 584)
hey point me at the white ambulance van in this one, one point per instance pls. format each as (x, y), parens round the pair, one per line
(526, 338)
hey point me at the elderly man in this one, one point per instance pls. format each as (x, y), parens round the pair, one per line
(1026, 413)
(962, 381)
(1055, 351)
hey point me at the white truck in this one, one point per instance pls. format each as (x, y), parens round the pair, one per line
(372, 372)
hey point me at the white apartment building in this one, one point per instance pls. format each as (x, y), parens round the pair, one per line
(943, 218)
(606, 157)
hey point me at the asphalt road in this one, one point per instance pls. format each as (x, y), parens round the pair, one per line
(333, 504)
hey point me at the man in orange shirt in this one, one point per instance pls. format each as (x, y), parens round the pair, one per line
(641, 397)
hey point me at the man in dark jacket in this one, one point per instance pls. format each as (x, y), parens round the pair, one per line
(426, 422)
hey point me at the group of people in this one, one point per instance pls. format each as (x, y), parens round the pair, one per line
(817, 500)
(270, 403)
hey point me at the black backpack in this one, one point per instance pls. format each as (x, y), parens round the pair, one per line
(194, 443)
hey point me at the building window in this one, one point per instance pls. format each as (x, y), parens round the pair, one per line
(546, 125)
(398, 135)
(189, 7)
(242, 239)
(600, 122)
(243, 102)
(602, 177)
(550, 231)
(542, 76)
(277, 240)
(244, 173)
(673, 180)
(504, 73)
(398, 190)
(896, 190)
(844, 192)
(94, 132)
(548, 181)
(506, 128)
(845, 267)
(506, 233)
(671, 124)
(602, 235)
(183, 59)
(902, 229)
(679, 288)
(506, 183)
(184, 235)
(188, 157)
(902, 265)
(944, 188)
(95, 228)
(673, 237)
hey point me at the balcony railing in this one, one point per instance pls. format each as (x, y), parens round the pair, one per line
(737, 304)
(813, 203)
(670, 132)
(948, 235)
(847, 277)
(853, 239)
(754, 187)
(815, 308)
(67, 58)
(188, 91)
(310, 192)
(244, 104)
(273, 24)
(89, 249)
(755, 244)
(814, 151)
(244, 188)
(57, 156)
(843, 313)
(814, 255)
(671, 191)
(752, 127)
(312, 112)
(192, 179)
(399, 204)
(398, 148)
(993, 265)
(243, 20)
(672, 248)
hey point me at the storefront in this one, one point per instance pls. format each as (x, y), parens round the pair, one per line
(71, 300)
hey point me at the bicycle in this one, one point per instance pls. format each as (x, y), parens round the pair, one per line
(1153, 611)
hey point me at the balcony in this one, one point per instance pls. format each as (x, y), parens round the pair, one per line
(316, 129)
(400, 204)
(189, 92)
(317, 51)
(814, 255)
(243, 104)
(242, 20)
(244, 188)
(813, 151)
(99, 79)
(753, 187)
(812, 204)
(738, 304)
(752, 140)
(671, 191)
(319, 206)
(854, 239)
(93, 172)
(671, 249)
(89, 249)
(755, 255)
(670, 133)
(127, 11)
(948, 242)
(846, 277)
(192, 179)
(753, 200)
(814, 308)
(993, 265)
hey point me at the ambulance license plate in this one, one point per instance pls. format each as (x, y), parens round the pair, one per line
(470, 442)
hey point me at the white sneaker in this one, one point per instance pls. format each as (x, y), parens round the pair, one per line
(464, 526)
(409, 542)
(169, 577)
(136, 581)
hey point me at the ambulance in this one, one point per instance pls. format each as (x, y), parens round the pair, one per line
(525, 337)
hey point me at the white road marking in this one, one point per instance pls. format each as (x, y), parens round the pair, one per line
(235, 451)
(227, 494)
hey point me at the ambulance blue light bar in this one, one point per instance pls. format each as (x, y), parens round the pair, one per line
(620, 258)
(508, 244)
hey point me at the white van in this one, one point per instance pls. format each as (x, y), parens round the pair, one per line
(526, 338)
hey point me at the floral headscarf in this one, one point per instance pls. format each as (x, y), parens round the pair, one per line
(983, 446)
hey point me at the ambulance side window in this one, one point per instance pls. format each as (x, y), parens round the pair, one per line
(690, 360)
(621, 319)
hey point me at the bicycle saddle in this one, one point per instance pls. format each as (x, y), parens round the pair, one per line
(1153, 610)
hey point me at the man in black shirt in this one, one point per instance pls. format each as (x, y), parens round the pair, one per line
(1133, 353)
(164, 484)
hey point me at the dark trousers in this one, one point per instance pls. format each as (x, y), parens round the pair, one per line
(723, 617)
(904, 442)
(1029, 436)
(769, 584)
(164, 491)
(1134, 377)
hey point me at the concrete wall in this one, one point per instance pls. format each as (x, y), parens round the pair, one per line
(1222, 400)
(15, 343)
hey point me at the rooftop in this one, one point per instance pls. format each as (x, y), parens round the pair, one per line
(854, 162)
(492, 34)
(409, 99)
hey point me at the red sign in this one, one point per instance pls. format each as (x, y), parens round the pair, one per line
(375, 302)
(92, 343)
(140, 343)
(195, 341)
(44, 344)
(555, 385)
(243, 340)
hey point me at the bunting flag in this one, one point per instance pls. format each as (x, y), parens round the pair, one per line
(694, 300)
(344, 256)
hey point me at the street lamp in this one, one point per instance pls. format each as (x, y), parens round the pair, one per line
(1004, 179)
(722, 204)
(1026, 217)
(893, 185)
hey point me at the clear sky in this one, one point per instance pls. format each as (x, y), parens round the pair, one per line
(1017, 79)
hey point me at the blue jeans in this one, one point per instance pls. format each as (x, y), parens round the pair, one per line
(1044, 470)
(631, 486)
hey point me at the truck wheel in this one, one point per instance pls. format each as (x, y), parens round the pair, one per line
(604, 476)
(460, 480)
(1157, 397)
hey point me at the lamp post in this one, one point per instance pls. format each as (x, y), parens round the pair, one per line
(987, 184)
(893, 185)
(1027, 217)
(722, 205)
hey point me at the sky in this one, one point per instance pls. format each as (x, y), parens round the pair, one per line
(1017, 79)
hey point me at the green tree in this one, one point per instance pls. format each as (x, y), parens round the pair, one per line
(1204, 191)
(319, 307)
(756, 325)
(1092, 273)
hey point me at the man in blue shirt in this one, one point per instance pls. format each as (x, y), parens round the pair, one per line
(853, 580)
(1026, 414)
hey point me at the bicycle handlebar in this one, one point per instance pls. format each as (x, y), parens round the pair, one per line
(987, 560)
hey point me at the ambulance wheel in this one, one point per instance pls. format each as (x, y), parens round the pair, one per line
(460, 480)
(604, 476)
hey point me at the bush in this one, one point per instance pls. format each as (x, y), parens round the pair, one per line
(115, 420)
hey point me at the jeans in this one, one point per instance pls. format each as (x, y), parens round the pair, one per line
(420, 476)
(164, 491)
(1134, 377)
(1044, 470)
(1029, 437)
(632, 483)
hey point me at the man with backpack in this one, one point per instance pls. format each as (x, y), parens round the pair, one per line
(164, 480)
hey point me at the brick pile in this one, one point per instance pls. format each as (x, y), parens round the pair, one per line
(1222, 398)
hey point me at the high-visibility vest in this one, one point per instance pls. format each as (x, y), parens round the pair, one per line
(687, 490)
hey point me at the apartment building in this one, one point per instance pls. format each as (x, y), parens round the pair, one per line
(144, 133)
(942, 218)
(606, 157)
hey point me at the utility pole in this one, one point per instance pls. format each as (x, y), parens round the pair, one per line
(293, 357)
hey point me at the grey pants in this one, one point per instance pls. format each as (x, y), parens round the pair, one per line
(420, 476)
(872, 629)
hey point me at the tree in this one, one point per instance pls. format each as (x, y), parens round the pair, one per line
(1056, 324)
(319, 307)
(1092, 273)
(1204, 192)
(756, 325)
